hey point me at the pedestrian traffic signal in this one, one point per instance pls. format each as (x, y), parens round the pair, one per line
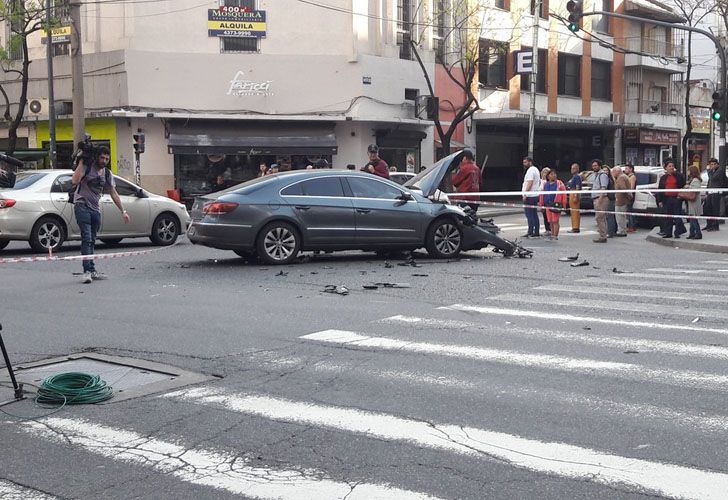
(576, 11)
(718, 107)
(139, 143)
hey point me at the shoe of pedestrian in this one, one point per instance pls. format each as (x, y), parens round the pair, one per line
(698, 238)
(691, 237)
(574, 230)
(632, 230)
(661, 234)
(621, 235)
(600, 240)
(87, 278)
(98, 276)
(677, 236)
(668, 236)
(706, 228)
(534, 236)
(526, 235)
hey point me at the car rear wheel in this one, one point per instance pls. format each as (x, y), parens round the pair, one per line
(278, 243)
(111, 241)
(47, 234)
(165, 230)
(4, 243)
(444, 239)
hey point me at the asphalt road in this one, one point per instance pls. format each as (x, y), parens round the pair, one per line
(486, 377)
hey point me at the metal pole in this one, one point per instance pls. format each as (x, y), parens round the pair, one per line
(79, 125)
(51, 95)
(534, 76)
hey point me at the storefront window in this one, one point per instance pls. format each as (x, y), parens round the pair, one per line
(405, 160)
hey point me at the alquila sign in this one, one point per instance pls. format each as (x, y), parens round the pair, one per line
(236, 22)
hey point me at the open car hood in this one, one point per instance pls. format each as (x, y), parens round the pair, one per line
(436, 177)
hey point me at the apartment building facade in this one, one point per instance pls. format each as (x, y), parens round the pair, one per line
(259, 81)
(592, 101)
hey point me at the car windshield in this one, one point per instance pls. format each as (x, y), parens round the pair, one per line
(645, 178)
(27, 179)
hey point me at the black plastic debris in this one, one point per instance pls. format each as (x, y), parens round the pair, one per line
(617, 271)
(420, 275)
(393, 285)
(583, 263)
(388, 265)
(631, 351)
(339, 290)
(282, 273)
(570, 258)
(370, 287)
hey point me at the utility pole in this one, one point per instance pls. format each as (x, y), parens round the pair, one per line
(534, 76)
(51, 95)
(79, 124)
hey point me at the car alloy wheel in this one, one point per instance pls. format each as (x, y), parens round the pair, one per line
(444, 239)
(279, 243)
(165, 230)
(47, 234)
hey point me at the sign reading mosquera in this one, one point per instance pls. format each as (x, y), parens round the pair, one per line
(239, 86)
(236, 22)
(60, 35)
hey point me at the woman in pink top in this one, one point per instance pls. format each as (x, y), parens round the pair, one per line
(553, 199)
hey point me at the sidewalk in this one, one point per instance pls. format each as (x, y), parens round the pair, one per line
(715, 242)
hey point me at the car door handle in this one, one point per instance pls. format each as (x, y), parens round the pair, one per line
(363, 210)
(302, 207)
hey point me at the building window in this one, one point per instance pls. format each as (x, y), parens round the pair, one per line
(238, 44)
(569, 75)
(543, 8)
(540, 75)
(439, 29)
(601, 23)
(404, 28)
(601, 84)
(492, 63)
(500, 4)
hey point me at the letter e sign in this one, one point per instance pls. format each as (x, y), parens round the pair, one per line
(524, 61)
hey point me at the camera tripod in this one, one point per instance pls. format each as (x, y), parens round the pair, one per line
(17, 388)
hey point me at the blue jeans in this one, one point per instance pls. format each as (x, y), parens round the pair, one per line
(695, 231)
(532, 215)
(89, 222)
(611, 220)
(631, 219)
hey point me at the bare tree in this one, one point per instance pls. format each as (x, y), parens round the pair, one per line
(694, 12)
(457, 25)
(24, 17)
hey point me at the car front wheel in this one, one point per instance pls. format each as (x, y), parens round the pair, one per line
(165, 230)
(46, 234)
(278, 243)
(444, 239)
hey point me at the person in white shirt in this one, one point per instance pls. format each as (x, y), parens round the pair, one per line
(531, 187)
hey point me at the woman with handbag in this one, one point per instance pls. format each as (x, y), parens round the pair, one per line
(693, 201)
(553, 200)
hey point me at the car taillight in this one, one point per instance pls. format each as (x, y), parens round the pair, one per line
(219, 208)
(5, 203)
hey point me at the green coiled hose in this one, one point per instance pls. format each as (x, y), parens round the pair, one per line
(73, 388)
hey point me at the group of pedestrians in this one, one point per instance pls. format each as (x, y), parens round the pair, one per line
(613, 202)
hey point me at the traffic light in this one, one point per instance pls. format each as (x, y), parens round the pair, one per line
(576, 11)
(139, 143)
(718, 107)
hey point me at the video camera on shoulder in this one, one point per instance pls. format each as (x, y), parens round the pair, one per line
(86, 151)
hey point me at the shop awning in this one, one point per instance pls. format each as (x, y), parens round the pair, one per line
(260, 138)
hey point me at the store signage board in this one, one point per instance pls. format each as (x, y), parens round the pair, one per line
(236, 22)
(240, 86)
(62, 34)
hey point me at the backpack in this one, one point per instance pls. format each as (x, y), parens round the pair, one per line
(610, 187)
(74, 189)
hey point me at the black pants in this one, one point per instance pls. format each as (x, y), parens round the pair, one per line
(712, 209)
(673, 206)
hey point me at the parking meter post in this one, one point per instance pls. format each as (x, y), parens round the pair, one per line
(138, 168)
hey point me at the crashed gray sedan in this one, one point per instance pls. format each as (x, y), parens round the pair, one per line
(277, 216)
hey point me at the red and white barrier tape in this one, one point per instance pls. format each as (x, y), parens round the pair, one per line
(592, 211)
(589, 192)
(98, 256)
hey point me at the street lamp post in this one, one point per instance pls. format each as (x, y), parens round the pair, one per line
(534, 75)
(51, 95)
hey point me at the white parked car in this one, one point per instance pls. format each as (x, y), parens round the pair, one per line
(644, 200)
(37, 210)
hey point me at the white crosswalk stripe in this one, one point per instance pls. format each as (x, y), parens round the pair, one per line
(695, 298)
(690, 310)
(649, 287)
(685, 378)
(12, 491)
(547, 457)
(207, 467)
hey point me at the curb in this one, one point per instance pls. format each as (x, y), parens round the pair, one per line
(688, 244)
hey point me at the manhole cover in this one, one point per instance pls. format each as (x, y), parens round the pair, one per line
(129, 377)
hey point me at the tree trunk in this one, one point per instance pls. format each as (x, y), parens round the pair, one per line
(22, 101)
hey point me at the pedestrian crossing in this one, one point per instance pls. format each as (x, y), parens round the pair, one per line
(545, 382)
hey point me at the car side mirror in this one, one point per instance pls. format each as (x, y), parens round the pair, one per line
(141, 194)
(403, 198)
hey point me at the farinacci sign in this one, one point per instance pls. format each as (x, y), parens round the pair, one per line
(236, 22)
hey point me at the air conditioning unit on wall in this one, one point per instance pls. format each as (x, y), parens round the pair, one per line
(38, 108)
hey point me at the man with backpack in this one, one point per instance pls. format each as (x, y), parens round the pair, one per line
(601, 200)
(91, 181)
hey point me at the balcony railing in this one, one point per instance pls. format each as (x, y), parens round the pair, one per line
(657, 48)
(654, 107)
